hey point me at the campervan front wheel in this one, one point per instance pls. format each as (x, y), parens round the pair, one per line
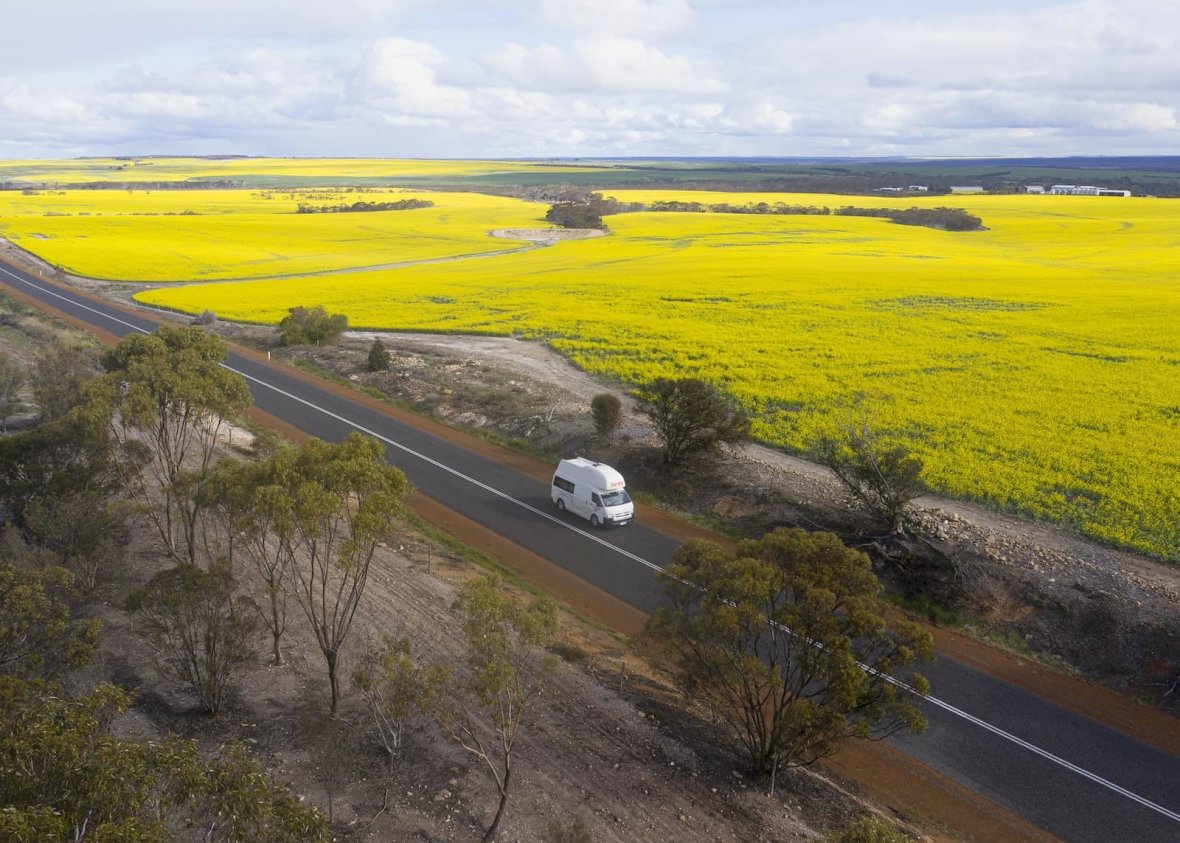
(594, 522)
(560, 505)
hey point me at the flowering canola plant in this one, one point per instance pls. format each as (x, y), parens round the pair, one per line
(1034, 365)
(180, 169)
(187, 235)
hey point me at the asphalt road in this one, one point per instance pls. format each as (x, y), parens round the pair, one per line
(1071, 776)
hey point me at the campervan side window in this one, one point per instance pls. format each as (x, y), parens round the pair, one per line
(595, 499)
(562, 483)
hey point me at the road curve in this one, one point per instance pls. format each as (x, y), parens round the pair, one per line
(1065, 773)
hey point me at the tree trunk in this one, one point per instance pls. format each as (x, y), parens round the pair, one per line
(332, 680)
(186, 522)
(491, 832)
(276, 626)
(169, 530)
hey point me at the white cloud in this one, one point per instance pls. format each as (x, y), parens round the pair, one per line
(158, 104)
(625, 17)
(1137, 116)
(772, 119)
(601, 63)
(34, 107)
(588, 77)
(1081, 68)
(401, 74)
(72, 33)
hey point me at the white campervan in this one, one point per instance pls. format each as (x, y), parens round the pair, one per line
(592, 490)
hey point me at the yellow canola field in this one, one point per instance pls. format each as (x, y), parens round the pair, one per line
(183, 169)
(1035, 365)
(181, 235)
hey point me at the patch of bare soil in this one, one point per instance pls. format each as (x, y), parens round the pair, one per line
(547, 236)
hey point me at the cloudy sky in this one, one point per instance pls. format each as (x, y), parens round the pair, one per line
(541, 78)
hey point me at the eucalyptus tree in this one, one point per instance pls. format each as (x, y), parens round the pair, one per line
(38, 637)
(485, 709)
(200, 634)
(788, 644)
(59, 376)
(167, 397)
(345, 500)
(65, 775)
(692, 417)
(883, 477)
(256, 513)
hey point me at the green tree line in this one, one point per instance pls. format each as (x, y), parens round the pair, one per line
(362, 207)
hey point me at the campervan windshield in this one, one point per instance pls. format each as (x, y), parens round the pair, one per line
(616, 498)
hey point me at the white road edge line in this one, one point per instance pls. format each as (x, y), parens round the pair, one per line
(945, 706)
(1031, 747)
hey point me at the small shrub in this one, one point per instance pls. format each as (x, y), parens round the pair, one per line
(607, 411)
(867, 829)
(379, 357)
(883, 477)
(36, 328)
(81, 530)
(311, 326)
(931, 609)
(59, 376)
(559, 832)
(201, 636)
(205, 317)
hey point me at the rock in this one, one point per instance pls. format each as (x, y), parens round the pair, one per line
(472, 419)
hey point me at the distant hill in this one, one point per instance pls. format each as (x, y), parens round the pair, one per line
(1142, 175)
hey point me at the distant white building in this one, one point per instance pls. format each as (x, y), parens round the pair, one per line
(1086, 190)
(918, 188)
(1033, 188)
(971, 188)
(890, 189)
